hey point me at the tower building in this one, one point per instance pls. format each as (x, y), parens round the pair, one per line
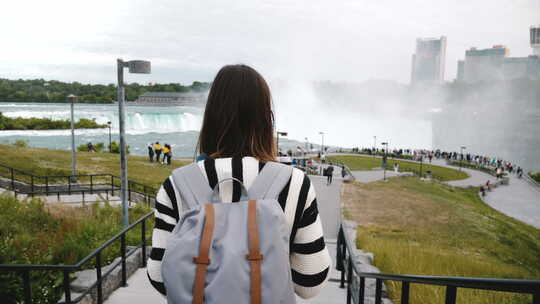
(535, 39)
(428, 62)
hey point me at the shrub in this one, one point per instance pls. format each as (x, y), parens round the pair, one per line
(115, 147)
(20, 143)
(97, 147)
(535, 176)
(35, 234)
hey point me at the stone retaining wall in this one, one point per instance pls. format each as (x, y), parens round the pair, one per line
(364, 262)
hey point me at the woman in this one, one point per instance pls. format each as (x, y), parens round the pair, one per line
(237, 140)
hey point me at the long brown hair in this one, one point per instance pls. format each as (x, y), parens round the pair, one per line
(238, 119)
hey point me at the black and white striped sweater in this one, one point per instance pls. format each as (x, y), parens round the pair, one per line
(309, 257)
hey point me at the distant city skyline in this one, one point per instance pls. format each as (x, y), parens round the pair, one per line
(304, 40)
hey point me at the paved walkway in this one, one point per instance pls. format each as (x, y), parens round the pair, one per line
(139, 289)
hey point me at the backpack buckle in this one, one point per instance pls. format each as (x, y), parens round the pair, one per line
(254, 256)
(201, 260)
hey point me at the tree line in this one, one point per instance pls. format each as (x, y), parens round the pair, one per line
(40, 90)
(33, 123)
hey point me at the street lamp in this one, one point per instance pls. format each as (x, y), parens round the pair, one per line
(461, 156)
(73, 99)
(110, 142)
(322, 142)
(374, 143)
(136, 67)
(385, 159)
(278, 134)
(305, 151)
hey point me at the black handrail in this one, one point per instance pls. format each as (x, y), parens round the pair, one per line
(356, 279)
(103, 185)
(25, 269)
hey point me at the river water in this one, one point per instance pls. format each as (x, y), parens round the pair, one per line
(176, 125)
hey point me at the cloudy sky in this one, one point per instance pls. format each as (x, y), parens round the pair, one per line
(339, 40)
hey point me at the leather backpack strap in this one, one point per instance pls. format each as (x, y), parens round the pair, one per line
(203, 260)
(254, 256)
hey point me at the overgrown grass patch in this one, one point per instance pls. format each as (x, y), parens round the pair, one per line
(416, 227)
(363, 163)
(34, 233)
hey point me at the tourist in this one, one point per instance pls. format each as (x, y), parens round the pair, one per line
(237, 137)
(167, 154)
(157, 150)
(329, 174)
(396, 167)
(90, 147)
(165, 151)
(151, 152)
(343, 172)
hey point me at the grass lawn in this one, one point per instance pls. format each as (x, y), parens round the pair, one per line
(363, 163)
(416, 227)
(58, 162)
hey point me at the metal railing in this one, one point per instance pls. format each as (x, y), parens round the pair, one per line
(25, 269)
(21, 182)
(355, 280)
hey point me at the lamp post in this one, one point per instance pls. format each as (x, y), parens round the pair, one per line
(374, 143)
(305, 151)
(385, 159)
(278, 134)
(110, 142)
(137, 67)
(322, 142)
(73, 99)
(461, 156)
(421, 162)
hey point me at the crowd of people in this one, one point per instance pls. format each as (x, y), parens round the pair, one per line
(156, 150)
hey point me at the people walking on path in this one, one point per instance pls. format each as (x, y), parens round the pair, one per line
(238, 143)
(329, 174)
(343, 172)
(157, 150)
(151, 152)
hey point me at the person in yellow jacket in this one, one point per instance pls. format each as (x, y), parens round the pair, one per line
(158, 149)
(166, 152)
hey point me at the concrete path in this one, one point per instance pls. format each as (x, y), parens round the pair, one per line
(519, 200)
(139, 289)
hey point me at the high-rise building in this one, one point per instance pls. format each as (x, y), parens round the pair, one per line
(484, 65)
(535, 39)
(428, 62)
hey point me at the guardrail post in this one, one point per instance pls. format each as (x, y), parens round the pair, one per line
(536, 297)
(404, 292)
(112, 185)
(67, 288)
(32, 184)
(450, 295)
(47, 185)
(27, 287)
(129, 192)
(91, 184)
(69, 185)
(361, 290)
(99, 283)
(123, 254)
(349, 279)
(143, 236)
(378, 291)
(12, 179)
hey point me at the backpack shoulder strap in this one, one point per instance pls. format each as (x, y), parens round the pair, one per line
(192, 185)
(270, 181)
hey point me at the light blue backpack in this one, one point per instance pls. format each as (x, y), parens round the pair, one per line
(229, 252)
